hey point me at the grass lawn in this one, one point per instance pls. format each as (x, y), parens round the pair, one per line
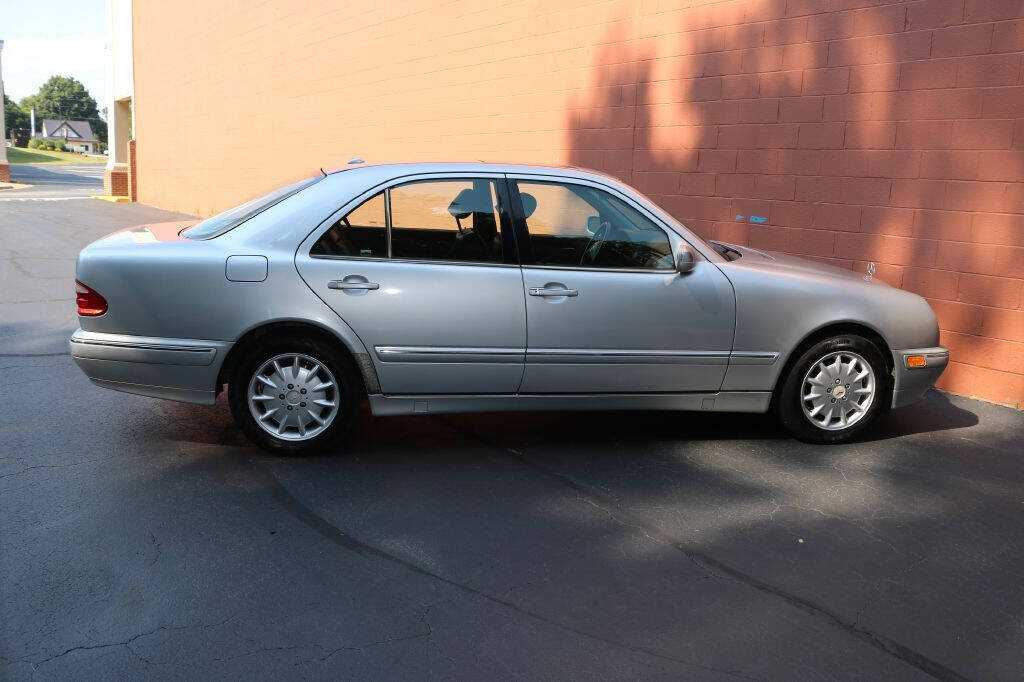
(19, 155)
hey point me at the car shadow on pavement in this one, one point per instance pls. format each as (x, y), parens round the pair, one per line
(934, 413)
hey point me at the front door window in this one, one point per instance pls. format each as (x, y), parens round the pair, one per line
(580, 226)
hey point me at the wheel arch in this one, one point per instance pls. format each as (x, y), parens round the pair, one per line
(836, 329)
(360, 360)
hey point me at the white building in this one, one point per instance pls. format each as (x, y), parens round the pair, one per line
(120, 118)
(5, 175)
(76, 135)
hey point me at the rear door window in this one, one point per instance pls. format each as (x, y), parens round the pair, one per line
(457, 220)
(446, 220)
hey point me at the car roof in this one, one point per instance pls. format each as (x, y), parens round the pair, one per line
(349, 182)
(399, 169)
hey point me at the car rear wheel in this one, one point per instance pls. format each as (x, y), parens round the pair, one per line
(293, 395)
(834, 391)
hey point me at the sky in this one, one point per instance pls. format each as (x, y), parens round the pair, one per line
(55, 38)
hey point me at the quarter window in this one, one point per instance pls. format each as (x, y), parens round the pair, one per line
(362, 232)
(449, 220)
(580, 226)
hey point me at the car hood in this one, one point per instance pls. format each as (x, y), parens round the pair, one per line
(774, 261)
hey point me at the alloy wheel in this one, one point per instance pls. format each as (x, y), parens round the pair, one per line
(838, 390)
(293, 397)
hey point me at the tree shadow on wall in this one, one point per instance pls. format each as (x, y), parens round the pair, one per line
(847, 159)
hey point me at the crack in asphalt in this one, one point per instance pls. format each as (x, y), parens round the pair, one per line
(329, 653)
(126, 643)
(387, 640)
(303, 513)
(610, 507)
(56, 466)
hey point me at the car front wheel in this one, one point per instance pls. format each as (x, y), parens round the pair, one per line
(294, 395)
(834, 390)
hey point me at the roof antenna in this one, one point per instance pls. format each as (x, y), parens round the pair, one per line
(355, 160)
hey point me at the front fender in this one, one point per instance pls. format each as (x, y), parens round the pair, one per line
(776, 309)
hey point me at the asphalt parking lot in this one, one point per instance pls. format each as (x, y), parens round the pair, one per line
(141, 538)
(62, 181)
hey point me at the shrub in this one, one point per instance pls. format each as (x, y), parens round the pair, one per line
(59, 146)
(35, 143)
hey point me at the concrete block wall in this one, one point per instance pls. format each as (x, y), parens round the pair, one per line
(858, 130)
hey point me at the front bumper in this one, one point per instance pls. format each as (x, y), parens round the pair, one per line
(174, 369)
(911, 383)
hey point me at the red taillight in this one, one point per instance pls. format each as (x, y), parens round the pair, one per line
(90, 303)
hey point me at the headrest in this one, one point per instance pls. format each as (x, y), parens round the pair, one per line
(470, 201)
(529, 204)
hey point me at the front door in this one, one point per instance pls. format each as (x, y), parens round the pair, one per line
(427, 275)
(606, 310)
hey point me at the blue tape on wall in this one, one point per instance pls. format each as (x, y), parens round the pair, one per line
(758, 219)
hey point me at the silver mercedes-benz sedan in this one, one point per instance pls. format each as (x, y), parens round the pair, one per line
(430, 288)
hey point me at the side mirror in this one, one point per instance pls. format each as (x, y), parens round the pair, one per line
(593, 224)
(686, 260)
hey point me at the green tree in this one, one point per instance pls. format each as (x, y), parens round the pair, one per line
(64, 97)
(14, 116)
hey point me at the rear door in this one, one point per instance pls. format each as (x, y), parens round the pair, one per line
(607, 312)
(426, 273)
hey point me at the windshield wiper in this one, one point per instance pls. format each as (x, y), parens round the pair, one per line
(726, 251)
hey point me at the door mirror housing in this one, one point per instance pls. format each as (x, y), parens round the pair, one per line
(686, 259)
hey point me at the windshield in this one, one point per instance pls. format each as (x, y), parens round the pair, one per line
(233, 217)
(667, 217)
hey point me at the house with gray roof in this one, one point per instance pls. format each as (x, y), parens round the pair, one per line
(77, 135)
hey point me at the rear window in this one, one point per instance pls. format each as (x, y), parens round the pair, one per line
(233, 217)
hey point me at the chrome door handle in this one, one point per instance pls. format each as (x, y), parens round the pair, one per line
(544, 291)
(342, 284)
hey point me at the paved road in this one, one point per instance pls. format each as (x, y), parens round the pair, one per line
(54, 181)
(141, 538)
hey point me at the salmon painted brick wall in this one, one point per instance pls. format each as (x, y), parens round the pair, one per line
(861, 130)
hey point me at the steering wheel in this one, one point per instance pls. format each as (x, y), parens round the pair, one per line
(590, 254)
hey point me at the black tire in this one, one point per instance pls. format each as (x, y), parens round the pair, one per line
(350, 394)
(789, 404)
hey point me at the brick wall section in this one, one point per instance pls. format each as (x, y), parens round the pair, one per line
(133, 176)
(115, 183)
(5, 172)
(862, 130)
